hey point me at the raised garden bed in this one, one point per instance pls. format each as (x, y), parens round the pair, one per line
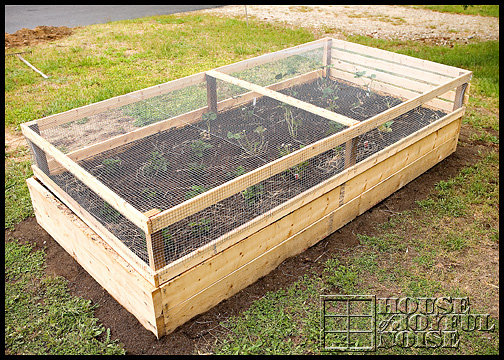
(204, 184)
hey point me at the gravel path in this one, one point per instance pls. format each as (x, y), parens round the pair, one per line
(379, 21)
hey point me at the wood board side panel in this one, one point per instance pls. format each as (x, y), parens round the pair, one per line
(105, 265)
(425, 65)
(263, 264)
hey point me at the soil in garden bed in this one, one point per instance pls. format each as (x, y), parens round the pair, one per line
(165, 169)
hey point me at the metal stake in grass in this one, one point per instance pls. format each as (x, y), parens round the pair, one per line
(18, 54)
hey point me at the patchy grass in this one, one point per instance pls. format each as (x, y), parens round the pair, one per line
(41, 317)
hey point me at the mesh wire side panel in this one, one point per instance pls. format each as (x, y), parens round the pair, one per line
(283, 69)
(138, 113)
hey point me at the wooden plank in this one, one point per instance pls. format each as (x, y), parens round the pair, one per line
(401, 59)
(94, 224)
(393, 90)
(267, 261)
(399, 81)
(101, 261)
(92, 182)
(175, 268)
(275, 56)
(232, 187)
(284, 98)
(118, 101)
(326, 61)
(394, 68)
(211, 93)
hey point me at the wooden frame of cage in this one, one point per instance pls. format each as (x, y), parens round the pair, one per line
(164, 296)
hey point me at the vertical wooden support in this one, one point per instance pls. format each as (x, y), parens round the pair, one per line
(40, 156)
(351, 152)
(459, 95)
(326, 58)
(155, 245)
(211, 93)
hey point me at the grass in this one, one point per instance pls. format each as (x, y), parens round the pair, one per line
(41, 317)
(429, 250)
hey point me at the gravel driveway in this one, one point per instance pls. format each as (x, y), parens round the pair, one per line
(378, 21)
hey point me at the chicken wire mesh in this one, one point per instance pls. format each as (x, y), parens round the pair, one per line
(208, 149)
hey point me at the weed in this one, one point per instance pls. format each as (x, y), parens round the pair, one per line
(253, 193)
(155, 165)
(454, 241)
(339, 276)
(199, 147)
(251, 147)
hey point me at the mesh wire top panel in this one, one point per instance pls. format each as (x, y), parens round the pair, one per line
(207, 149)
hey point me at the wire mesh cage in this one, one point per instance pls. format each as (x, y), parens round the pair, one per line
(175, 170)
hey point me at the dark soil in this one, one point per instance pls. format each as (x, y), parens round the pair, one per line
(158, 172)
(200, 331)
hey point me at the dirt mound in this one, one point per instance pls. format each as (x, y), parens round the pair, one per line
(27, 37)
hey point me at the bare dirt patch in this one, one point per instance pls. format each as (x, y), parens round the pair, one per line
(379, 21)
(41, 34)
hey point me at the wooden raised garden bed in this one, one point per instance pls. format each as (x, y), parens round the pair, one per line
(177, 196)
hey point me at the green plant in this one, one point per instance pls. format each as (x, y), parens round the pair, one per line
(149, 193)
(298, 169)
(111, 165)
(199, 147)
(334, 128)
(251, 147)
(240, 170)
(209, 116)
(108, 213)
(195, 191)
(253, 193)
(155, 165)
(386, 127)
(292, 122)
(247, 114)
(360, 74)
(201, 227)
